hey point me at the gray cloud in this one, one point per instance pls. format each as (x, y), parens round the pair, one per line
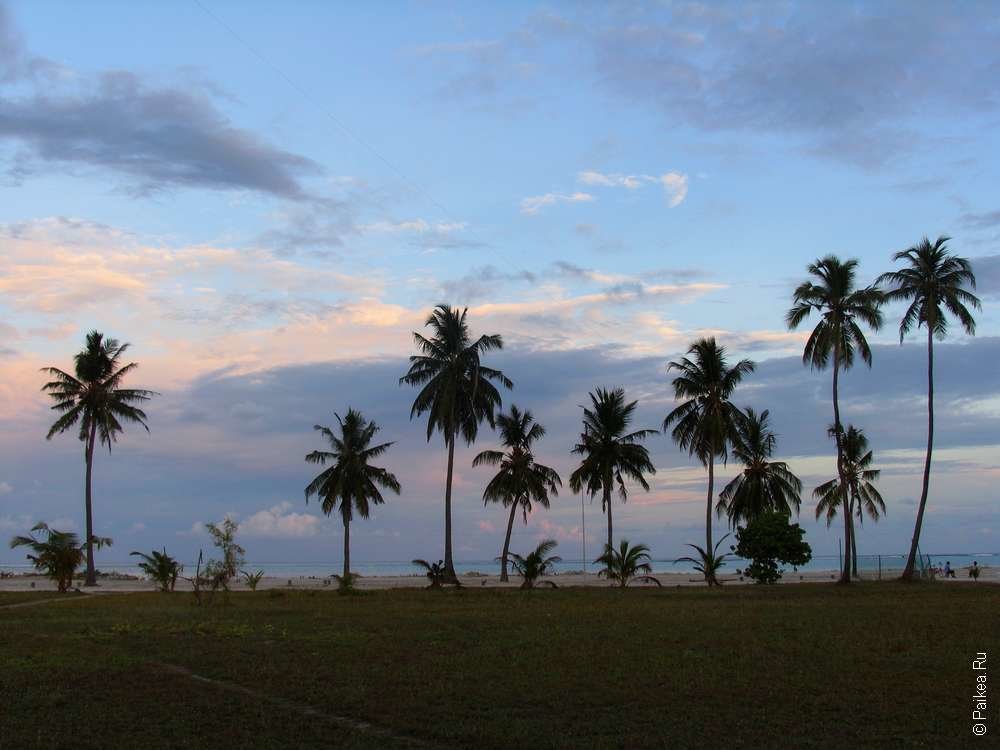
(987, 270)
(985, 220)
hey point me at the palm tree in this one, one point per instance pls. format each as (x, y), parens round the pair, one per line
(859, 488)
(707, 563)
(706, 423)
(58, 554)
(626, 564)
(94, 398)
(763, 486)
(350, 480)
(933, 284)
(457, 393)
(160, 567)
(520, 480)
(434, 572)
(610, 454)
(840, 305)
(535, 564)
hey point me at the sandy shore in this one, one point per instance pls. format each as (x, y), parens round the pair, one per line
(471, 580)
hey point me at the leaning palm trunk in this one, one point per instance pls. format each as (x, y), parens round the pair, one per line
(449, 563)
(845, 573)
(91, 578)
(506, 544)
(914, 544)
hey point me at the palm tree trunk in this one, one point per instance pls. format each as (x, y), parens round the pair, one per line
(607, 505)
(845, 573)
(506, 544)
(854, 547)
(708, 514)
(915, 542)
(91, 578)
(347, 550)
(449, 563)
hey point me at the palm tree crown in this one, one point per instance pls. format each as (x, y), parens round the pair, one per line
(610, 453)
(860, 478)
(763, 486)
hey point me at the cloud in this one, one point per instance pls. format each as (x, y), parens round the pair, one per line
(533, 204)
(675, 184)
(5, 488)
(985, 220)
(279, 522)
(987, 270)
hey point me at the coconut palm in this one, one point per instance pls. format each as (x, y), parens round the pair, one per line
(707, 563)
(840, 306)
(58, 554)
(764, 486)
(160, 567)
(706, 422)
(434, 571)
(520, 481)
(351, 481)
(861, 494)
(627, 564)
(535, 564)
(94, 399)
(933, 282)
(457, 392)
(610, 453)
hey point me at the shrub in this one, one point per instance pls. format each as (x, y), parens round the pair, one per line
(160, 567)
(769, 540)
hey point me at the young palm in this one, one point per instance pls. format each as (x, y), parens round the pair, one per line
(764, 486)
(933, 282)
(626, 564)
(94, 399)
(859, 488)
(535, 564)
(610, 453)
(456, 391)
(707, 563)
(351, 480)
(160, 567)
(520, 481)
(433, 571)
(58, 554)
(706, 423)
(837, 335)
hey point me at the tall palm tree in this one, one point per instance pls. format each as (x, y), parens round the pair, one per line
(94, 398)
(933, 283)
(840, 306)
(520, 480)
(457, 392)
(610, 453)
(764, 485)
(705, 424)
(351, 480)
(858, 488)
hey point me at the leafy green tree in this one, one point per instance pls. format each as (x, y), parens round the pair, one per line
(218, 573)
(58, 554)
(627, 564)
(94, 400)
(350, 484)
(535, 564)
(161, 568)
(764, 485)
(435, 572)
(521, 481)
(840, 306)
(859, 489)
(934, 283)
(770, 539)
(610, 453)
(706, 422)
(708, 563)
(456, 391)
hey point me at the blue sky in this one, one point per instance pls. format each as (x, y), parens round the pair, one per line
(267, 200)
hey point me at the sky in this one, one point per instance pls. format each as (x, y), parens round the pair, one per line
(266, 200)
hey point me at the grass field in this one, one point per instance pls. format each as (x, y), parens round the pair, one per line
(873, 665)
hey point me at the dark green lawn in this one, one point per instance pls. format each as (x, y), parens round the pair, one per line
(874, 665)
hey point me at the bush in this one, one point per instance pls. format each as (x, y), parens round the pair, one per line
(767, 541)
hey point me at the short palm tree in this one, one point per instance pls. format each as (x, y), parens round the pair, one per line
(764, 486)
(58, 554)
(627, 564)
(610, 453)
(934, 283)
(434, 572)
(521, 481)
(707, 563)
(535, 564)
(456, 391)
(841, 306)
(351, 484)
(861, 494)
(160, 567)
(94, 399)
(705, 424)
